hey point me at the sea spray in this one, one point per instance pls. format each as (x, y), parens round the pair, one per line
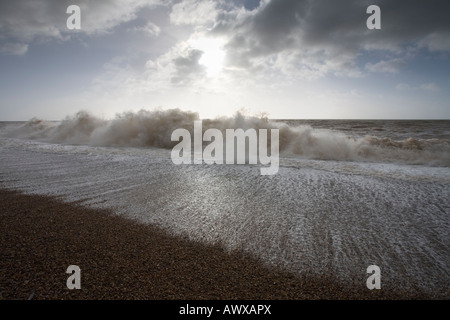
(154, 129)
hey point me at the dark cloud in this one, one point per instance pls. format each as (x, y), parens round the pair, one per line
(27, 20)
(188, 68)
(332, 34)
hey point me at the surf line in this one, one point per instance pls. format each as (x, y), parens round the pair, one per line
(213, 152)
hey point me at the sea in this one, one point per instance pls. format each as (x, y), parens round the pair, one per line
(348, 194)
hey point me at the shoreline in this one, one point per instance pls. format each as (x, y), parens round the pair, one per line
(123, 259)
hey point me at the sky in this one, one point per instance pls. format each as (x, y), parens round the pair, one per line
(288, 59)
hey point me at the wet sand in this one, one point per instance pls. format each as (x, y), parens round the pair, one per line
(122, 259)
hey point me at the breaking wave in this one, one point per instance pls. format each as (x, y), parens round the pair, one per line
(154, 128)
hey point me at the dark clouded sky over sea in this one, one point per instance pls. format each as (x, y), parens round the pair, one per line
(289, 58)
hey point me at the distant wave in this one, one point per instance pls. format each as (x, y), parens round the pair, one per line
(154, 128)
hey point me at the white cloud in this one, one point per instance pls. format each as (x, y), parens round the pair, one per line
(403, 87)
(101, 16)
(436, 42)
(430, 87)
(387, 66)
(194, 12)
(150, 29)
(18, 49)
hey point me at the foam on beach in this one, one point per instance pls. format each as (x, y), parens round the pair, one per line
(312, 217)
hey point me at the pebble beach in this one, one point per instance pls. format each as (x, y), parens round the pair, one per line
(121, 259)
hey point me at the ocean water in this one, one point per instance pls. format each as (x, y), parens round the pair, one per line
(348, 193)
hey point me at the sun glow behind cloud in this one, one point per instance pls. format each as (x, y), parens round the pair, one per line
(213, 54)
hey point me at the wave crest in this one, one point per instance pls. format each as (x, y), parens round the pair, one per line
(154, 128)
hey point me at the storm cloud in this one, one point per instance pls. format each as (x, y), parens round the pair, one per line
(329, 35)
